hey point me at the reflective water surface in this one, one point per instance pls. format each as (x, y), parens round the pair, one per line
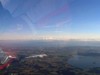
(85, 61)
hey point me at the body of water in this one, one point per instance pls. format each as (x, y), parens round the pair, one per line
(80, 61)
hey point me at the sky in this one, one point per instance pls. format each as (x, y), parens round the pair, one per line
(50, 19)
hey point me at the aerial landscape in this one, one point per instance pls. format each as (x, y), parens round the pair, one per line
(49, 60)
(49, 37)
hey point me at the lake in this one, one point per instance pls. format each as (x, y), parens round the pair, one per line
(80, 61)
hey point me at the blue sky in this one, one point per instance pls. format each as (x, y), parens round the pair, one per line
(51, 19)
(85, 15)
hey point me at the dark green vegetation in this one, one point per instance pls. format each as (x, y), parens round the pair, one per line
(54, 64)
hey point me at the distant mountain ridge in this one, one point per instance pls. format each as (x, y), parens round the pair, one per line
(45, 43)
